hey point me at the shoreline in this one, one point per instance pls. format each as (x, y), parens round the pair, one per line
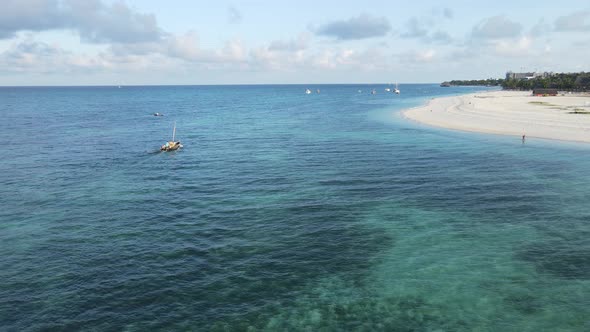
(512, 113)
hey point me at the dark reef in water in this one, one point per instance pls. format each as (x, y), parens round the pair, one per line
(559, 258)
(365, 314)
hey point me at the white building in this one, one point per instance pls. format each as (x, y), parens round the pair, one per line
(527, 76)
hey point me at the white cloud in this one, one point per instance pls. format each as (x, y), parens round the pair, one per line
(234, 16)
(33, 15)
(577, 21)
(300, 43)
(416, 28)
(32, 56)
(415, 57)
(93, 20)
(126, 40)
(360, 27)
(496, 27)
(448, 13)
(547, 48)
(540, 29)
(186, 48)
(427, 28)
(513, 48)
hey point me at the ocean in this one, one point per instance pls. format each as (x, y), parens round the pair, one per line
(282, 212)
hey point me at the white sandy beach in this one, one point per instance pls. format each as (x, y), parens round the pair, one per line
(510, 113)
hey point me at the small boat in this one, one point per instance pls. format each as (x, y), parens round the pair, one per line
(396, 91)
(158, 114)
(373, 92)
(307, 91)
(318, 91)
(172, 145)
(387, 89)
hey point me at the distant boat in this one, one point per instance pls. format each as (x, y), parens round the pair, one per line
(318, 91)
(158, 114)
(172, 145)
(373, 92)
(387, 89)
(396, 91)
(307, 91)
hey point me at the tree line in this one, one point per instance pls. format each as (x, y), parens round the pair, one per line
(489, 81)
(559, 81)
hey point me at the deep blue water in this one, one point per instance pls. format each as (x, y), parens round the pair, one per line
(283, 211)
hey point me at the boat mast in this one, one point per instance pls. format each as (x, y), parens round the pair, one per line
(174, 132)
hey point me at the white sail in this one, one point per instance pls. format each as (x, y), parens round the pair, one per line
(174, 132)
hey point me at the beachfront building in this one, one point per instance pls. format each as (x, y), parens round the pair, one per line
(526, 76)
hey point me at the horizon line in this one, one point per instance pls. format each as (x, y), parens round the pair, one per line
(222, 84)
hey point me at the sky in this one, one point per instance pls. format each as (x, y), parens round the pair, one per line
(153, 42)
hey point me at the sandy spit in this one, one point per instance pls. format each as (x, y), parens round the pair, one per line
(563, 117)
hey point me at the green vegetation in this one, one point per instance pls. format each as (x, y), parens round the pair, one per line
(488, 82)
(572, 109)
(543, 103)
(560, 81)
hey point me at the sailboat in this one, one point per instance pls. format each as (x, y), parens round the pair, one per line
(396, 91)
(307, 91)
(172, 145)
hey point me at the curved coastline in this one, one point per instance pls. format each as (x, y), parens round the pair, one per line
(514, 113)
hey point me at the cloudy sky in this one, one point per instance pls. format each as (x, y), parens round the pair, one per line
(113, 42)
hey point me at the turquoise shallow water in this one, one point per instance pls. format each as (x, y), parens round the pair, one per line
(284, 211)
